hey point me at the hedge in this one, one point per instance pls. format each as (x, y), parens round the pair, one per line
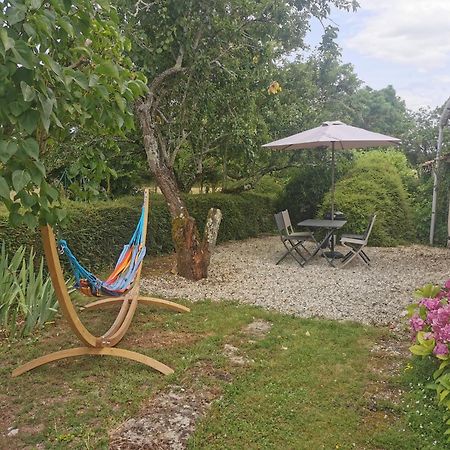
(374, 185)
(97, 231)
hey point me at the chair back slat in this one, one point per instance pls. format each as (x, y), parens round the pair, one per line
(369, 227)
(280, 222)
(287, 221)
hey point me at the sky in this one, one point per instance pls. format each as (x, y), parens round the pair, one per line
(405, 43)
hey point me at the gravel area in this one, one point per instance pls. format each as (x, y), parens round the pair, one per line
(245, 271)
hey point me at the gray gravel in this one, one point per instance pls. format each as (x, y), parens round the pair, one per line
(245, 271)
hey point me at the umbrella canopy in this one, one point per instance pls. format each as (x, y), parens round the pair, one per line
(334, 135)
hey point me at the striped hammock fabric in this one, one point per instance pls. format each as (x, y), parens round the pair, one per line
(124, 273)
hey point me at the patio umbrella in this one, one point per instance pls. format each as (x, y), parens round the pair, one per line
(337, 136)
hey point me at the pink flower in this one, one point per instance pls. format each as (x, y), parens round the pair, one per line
(416, 323)
(447, 284)
(442, 333)
(440, 349)
(430, 303)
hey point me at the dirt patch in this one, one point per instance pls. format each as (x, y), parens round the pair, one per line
(167, 422)
(205, 369)
(159, 339)
(258, 329)
(233, 354)
(382, 395)
(159, 265)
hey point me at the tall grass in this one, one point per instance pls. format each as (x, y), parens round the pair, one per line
(27, 298)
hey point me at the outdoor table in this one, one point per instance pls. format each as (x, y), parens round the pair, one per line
(330, 226)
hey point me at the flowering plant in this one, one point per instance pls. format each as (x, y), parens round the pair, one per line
(429, 320)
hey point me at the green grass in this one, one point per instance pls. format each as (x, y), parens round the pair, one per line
(306, 388)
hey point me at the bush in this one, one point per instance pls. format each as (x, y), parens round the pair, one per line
(97, 231)
(374, 186)
(27, 298)
(422, 206)
(430, 327)
(305, 191)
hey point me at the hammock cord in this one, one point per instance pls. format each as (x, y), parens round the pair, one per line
(124, 271)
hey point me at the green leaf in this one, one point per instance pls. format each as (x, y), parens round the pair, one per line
(105, 4)
(93, 80)
(29, 220)
(50, 62)
(103, 92)
(7, 149)
(29, 29)
(16, 14)
(35, 4)
(4, 188)
(17, 108)
(81, 80)
(420, 350)
(427, 291)
(121, 103)
(28, 92)
(29, 120)
(60, 214)
(64, 23)
(411, 309)
(24, 55)
(109, 69)
(31, 148)
(443, 394)
(444, 380)
(20, 179)
(8, 42)
(47, 107)
(37, 172)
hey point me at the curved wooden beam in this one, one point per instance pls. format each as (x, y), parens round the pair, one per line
(151, 301)
(64, 300)
(81, 351)
(163, 303)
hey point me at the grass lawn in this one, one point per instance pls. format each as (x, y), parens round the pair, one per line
(308, 384)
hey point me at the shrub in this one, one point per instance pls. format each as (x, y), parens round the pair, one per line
(27, 298)
(374, 186)
(430, 327)
(97, 231)
(422, 206)
(304, 192)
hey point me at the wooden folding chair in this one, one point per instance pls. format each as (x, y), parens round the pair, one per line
(355, 244)
(292, 241)
(104, 344)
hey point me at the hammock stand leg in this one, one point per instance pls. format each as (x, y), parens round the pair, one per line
(81, 351)
(151, 301)
(93, 345)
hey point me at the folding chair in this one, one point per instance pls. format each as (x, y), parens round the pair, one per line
(291, 240)
(356, 243)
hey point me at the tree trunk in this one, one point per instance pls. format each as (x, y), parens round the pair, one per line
(193, 254)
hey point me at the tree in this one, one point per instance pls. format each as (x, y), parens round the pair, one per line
(187, 46)
(381, 110)
(63, 69)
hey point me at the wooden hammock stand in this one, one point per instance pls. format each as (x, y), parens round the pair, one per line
(105, 344)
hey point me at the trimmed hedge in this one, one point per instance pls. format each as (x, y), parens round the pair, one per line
(374, 185)
(97, 231)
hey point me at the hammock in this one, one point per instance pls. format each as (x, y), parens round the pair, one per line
(124, 273)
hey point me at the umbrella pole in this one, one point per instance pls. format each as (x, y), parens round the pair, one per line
(332, 180)
(332, 237)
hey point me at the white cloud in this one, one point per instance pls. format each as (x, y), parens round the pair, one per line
(415, 33)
